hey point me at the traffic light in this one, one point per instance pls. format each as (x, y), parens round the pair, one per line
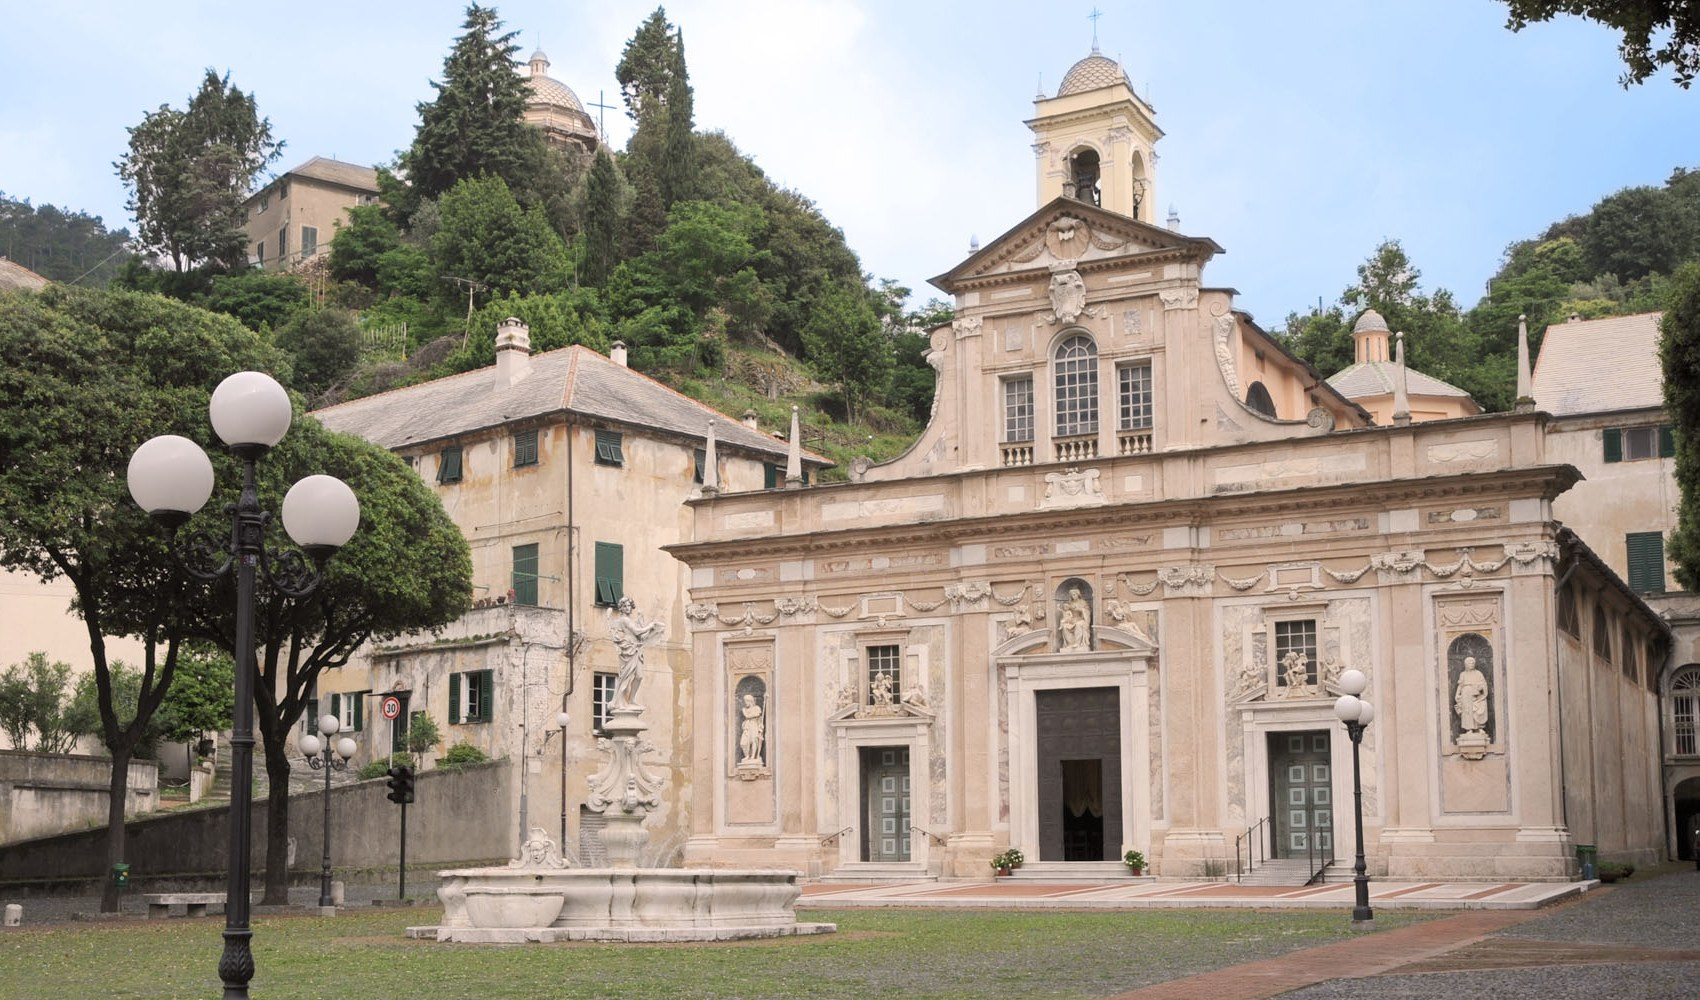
(401, 784)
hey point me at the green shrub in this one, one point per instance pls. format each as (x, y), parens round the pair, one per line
(461, 754)
(380, 766)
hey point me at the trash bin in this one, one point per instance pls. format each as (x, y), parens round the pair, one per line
(1586, 855)
(121, 876)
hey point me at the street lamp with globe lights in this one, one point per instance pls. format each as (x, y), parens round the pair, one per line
(171, 478)
(561, 720)
(1357, 713)
(319, 756)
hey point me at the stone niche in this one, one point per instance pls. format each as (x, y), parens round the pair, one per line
(1475, 774)
(752, 734)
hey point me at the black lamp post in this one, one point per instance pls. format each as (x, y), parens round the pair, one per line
(319, 755)
(561, 720)
(1356, 714)
(171, 478)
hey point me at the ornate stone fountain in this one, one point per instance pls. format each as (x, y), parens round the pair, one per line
(540, 896)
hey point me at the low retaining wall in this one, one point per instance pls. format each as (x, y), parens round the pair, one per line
(458, 815)
(43, 794)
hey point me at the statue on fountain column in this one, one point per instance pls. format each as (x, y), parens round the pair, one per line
(631, 634)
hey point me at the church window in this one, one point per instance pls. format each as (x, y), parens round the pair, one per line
(1567, 618)
(1133, 389)
(1602, 635)
(1295, 637)
(1018, 408)
(309, 240)
(699, 458)
(1077, 386)
(1627, 645)
(885, 674)
(1257, 397)
(1685, 711)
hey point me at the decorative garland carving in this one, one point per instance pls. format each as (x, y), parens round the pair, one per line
(1245, 584)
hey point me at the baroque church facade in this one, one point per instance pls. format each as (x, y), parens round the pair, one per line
(1104, 602)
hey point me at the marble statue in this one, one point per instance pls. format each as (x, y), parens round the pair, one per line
(753, 732)
(631, 634)
(1076, 625)
(1470, 699)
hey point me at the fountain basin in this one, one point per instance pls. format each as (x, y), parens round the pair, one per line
(514, 905)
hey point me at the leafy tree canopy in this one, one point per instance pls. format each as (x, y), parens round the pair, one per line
(1679, 357)
(60, 245)
(190, 171)
(475, 125)
(1656, 33)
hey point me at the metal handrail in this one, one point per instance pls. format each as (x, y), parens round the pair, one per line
(1253, 840)
(1314, 853)
(834, 836)
(935, 838)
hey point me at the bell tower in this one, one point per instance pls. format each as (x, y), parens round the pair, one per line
(1095, 140)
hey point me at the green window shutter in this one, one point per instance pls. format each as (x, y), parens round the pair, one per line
(525, 574)
(310, 718)
(610, 573)
(1613, 439)
(454, 697)
(525, 448)
(486, 695)
(360, 711)
(608, 451)
(448, 465)
(1646, 551)
(1667, 441)
(336, 705)
(770, 476)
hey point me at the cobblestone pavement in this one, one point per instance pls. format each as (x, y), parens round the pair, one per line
(1637, 939)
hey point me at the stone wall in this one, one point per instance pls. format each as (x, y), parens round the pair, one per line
(457, 816)
(42, 794)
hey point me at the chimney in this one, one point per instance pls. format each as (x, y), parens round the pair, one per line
(513, 351)
(617, 353)
(751, 421)
(1574, 318)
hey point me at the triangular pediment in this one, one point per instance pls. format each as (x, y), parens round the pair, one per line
(1072, 233)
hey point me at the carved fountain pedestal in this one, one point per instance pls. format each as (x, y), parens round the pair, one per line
(540, 897)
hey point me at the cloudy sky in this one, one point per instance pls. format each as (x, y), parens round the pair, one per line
(1299, 135)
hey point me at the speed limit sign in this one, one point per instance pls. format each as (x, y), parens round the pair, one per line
(392, 706)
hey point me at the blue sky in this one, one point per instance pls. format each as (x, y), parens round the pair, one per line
(1299, 135)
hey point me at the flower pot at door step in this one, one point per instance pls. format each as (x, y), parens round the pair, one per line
(1003, 871)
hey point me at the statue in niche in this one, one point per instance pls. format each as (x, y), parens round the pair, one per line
(1470, 698)
(631, 633)
(753, 733)
(1075, 627)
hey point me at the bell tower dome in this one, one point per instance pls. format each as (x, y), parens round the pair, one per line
(1095, 140)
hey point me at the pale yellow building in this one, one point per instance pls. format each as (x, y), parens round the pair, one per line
(567, 472)
(1105, 600)
(292, 219)
(1602, 382)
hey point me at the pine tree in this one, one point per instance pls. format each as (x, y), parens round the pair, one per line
(645, 69)
(601, 220)
(476, 124)
(677, 168)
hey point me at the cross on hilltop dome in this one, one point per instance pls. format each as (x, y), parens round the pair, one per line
(554, 108)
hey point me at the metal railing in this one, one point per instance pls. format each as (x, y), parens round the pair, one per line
(1252, 840)
(829, 838)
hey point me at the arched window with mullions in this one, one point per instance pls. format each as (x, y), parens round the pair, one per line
(1077, 386)
(1685, 711)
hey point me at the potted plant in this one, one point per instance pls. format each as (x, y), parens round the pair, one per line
(1135, 861)
(1007, 861)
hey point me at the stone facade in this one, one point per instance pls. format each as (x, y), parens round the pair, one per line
(1104, 601)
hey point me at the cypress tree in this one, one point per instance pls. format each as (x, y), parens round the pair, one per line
(476, 124)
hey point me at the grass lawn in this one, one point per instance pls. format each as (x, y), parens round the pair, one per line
(876, 953)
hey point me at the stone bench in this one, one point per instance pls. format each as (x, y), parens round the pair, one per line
(194, 903)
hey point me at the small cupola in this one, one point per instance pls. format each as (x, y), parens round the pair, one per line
(1370, 337)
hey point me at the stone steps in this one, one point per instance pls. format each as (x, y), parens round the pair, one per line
(1279, 872)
